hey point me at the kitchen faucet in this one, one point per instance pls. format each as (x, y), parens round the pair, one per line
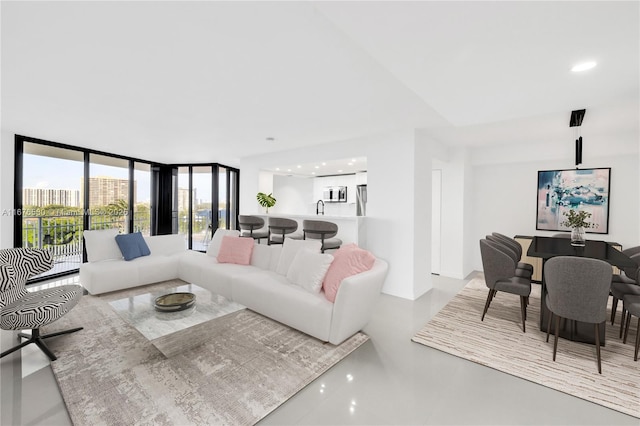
(320, 202)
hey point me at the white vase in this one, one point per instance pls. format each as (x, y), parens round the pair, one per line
(578, 236)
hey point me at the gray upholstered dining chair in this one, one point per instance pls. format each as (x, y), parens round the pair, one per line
(500, 275)
(21, 309)
(625, 283)
(251, 226)
(577, 289)
(631, 305)
(323, 231)
(517, 248)
(281, 227)
(521, 269)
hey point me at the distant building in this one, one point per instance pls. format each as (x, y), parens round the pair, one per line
(107, 190)
(42, 197)
(183, 199)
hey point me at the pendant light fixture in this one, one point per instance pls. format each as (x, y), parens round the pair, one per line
(576, 121)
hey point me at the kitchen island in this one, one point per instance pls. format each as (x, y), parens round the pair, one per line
(351, 229)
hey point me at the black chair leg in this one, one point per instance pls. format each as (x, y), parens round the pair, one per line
(622, 323)
(614, 306)
(555, 341)
(523, 309)
(549, 325)
(626, 324)
(38, 339)
(487, 303)
(597, 333)
(635, 354)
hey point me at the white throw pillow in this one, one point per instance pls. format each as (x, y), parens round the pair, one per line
(101, 245)
(289, 250)
(214, 245)
(261, 256)
(308, 269)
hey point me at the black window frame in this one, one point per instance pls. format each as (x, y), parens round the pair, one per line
(20, 140)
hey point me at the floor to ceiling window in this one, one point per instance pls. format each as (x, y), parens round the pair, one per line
(142, 198)
(52, 204)
(62, 190)
(201, 226)
(184, 203)
(108, 193)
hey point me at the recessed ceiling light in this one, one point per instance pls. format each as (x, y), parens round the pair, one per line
(324, 164)
(299, 166)
(317, 167)
(583, 66)
(277, 169)
(340, 171)
(353, 160)
(288, 170)
(349, 164)
(313, 173)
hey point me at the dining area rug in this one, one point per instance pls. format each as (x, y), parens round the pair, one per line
(498, 342)
(110, 374)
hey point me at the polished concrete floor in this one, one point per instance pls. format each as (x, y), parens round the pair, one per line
(389, 380)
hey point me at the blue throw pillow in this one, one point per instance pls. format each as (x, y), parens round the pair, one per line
(132, 245)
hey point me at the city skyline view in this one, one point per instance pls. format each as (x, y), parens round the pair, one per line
(63, 174)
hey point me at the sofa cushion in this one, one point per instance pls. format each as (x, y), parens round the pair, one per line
(289, 250)
(109, 275)
(348, 260)
(101, 245)
(235, 250)
(166, 244)
(308, 269)
(273, 296)
(219, 277)
(216, 240)
(132, 245)
(261, 255)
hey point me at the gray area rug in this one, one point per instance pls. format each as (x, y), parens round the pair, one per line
(110, 374)
(498, 342)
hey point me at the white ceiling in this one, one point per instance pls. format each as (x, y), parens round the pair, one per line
(210, 81)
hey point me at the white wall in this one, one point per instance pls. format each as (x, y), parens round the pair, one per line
(504, 199)
(294, 195)
(392, 160)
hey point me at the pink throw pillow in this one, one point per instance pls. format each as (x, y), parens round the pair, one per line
(236, 250)
(347, 261)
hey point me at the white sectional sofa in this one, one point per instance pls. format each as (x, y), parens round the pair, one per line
(258, 286)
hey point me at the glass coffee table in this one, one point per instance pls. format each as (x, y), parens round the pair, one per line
(173, 332)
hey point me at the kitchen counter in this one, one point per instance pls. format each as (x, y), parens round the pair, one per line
(351, 229)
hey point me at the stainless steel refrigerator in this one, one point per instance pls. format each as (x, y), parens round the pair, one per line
(361, 200)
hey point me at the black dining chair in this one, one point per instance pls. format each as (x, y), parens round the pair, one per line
(578, 290)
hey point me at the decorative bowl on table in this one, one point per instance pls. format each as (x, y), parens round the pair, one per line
(173, 302)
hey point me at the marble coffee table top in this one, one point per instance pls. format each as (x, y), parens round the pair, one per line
(172, 332)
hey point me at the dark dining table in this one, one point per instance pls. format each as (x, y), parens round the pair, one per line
(548, 247)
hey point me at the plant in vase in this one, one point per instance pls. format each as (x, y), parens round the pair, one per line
(577, 221)
(265, 200)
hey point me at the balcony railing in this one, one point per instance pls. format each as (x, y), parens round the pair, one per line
(62, 236)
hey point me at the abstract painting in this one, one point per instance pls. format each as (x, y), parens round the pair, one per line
(574, 189)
